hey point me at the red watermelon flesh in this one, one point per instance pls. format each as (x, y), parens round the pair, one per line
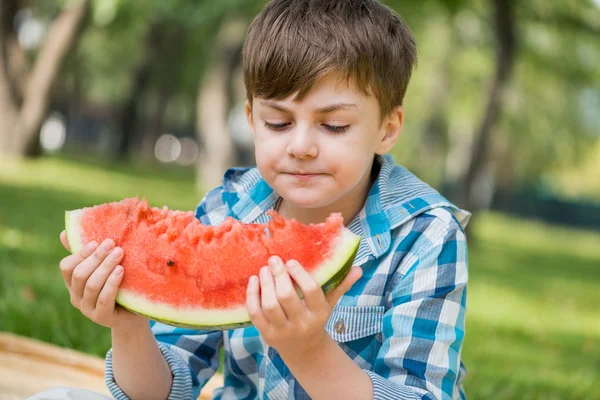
(182, 272)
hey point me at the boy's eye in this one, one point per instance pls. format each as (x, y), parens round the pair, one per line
(277, 127)
(282, 126)
(336, 128)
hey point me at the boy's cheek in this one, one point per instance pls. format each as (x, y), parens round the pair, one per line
(269, 156)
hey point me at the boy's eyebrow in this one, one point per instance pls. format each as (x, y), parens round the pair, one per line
(334, 107)
(322, 110)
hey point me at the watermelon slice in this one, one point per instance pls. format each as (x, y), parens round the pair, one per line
(183, 273)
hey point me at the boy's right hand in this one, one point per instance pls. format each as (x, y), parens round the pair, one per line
(93, 277)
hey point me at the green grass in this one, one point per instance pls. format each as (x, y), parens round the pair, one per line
(533, 321)
(34, 195)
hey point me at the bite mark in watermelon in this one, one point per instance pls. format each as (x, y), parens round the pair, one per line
(183, 273)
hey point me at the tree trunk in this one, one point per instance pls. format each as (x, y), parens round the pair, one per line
(21, 128)
(155, 127)
(129, 118)
(433, 148)
(479, 175)
(9, 102)
(12, 56)
(215, 100)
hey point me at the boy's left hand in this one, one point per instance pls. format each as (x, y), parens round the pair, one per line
(294, 327)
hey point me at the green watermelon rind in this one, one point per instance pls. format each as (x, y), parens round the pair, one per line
(329, 275)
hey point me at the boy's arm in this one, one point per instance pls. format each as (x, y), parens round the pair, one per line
(134, 358)
(422, 331)
(165, 362)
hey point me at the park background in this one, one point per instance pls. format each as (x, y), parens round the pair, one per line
(103, 99)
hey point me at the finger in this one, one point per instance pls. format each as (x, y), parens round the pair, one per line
(83, 271)
(270, 305)
(313, 294)
(351, 278)
(98, 278)
(64, 241)
(69, 263)
(257, 317)
(284, 288)
(105, 304)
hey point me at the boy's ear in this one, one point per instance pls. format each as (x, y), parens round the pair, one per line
(248, 109)
(390, 130)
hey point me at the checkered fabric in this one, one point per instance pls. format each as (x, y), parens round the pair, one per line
(403, 322)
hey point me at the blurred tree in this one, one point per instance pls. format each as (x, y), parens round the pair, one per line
(541, 125)
(537, 122)
(25, 96)
(140, 80)
(504, 31)
(216, 98)
(467, 122)
(147, 61)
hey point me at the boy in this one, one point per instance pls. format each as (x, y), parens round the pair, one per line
(325, 82)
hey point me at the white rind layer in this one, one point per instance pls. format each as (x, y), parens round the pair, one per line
(198, 317)
(192, 316)
(73, 229)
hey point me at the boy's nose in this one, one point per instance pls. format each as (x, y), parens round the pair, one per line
(303, 144)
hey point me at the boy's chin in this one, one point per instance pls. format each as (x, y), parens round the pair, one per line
(304, 201)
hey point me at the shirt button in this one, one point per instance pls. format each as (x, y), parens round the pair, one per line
(340, 327)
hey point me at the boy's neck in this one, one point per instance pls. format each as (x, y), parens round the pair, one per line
(349, 207)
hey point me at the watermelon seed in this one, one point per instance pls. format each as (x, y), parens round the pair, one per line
(170, 263)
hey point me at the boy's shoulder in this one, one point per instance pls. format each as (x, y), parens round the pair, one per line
(399, 204)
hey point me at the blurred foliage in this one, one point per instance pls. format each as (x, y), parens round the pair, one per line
(550, 119)
(113, 44)
(551, 111)
(580, 180)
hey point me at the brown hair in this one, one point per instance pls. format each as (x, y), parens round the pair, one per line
(293, 43)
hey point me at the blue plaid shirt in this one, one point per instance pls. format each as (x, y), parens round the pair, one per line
(404, 320)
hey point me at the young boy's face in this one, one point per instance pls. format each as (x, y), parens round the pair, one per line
(318, 152)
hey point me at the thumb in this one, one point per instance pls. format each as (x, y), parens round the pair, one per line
(353, 275)
(64, 241)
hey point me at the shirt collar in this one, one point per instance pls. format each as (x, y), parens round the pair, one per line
(396, 197)
(248, 195)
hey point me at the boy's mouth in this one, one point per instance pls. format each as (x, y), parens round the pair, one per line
(303, 175)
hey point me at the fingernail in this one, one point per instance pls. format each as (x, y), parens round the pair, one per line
(107, 245)
(274, 260)
(276, 267)
(91, 246)
(253, 280)
(264, 272)
(116, 253)
(118, 270)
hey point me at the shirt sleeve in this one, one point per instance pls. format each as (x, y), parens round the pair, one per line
(192, 356)
(423, 330)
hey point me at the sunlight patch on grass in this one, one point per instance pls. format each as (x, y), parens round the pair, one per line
(57, 174)
(530, 235)
(16, 239)
(499, 306)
